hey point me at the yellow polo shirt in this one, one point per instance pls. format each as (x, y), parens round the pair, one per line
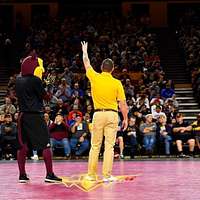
(105, 89)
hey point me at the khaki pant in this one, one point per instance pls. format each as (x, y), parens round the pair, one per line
(104, 124)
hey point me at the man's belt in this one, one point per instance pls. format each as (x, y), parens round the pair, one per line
(104, 110)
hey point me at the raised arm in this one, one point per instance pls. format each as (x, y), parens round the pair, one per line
(86, 60)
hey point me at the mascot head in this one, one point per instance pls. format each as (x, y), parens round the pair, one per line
(32, 65)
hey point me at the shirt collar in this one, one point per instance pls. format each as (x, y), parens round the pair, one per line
(106, 74)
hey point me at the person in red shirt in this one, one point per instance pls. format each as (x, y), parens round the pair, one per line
(59, 134)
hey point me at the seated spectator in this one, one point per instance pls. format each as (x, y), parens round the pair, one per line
(73, 114)
(195, 128)
(9, 137)
(164, 133)
(8, 107)
(47, 119)
(61, 107)
(64, 91)
(172, 101)
(76, 91)
(90, 110)
(157, 112)
(156, 100)
(79, 139)
(130, 135)
(142, 100)
(49, 111)
(148, 129)
(182, 134)
(129, 88)
(59, 135)
(167, 92)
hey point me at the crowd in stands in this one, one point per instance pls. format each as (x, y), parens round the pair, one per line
(154, 121)
(188, 33)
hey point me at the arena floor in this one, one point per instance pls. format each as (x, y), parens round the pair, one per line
(156, 180)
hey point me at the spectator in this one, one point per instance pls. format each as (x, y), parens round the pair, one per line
(79, 140)
(73, 114)
(164, 133)
(76, 91)
(61, 107)
(195, 128)
(167, 92)
(130, 136)
(148, 129)
(64, 91)
(9, 137)
(157, 112)
(8, 107)
(59, 135)
(47, 119)
(182, 134)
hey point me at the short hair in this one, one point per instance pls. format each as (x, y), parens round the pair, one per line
(107, 65)
(179, 115)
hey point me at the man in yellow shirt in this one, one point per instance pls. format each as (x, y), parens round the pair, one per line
(107, 94)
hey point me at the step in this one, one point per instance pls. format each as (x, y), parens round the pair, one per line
(185, 98)
(188, 104)
(190, 117)
(183, 89)
(190, 111)
(184, 92)
(189, 107)
(183, 85)
(184, 95)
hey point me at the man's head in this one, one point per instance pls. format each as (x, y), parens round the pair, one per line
(107, 65)
(162, 119)
(132, 121)
(7, 101)
(149, 118)
(60, 102)
(59, 118)
(158, 108)
(8, 118)
(78, 118)
(46, 116)
(179, 117)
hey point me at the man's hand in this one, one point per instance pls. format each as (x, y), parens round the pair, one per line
(86, 60)
(124, 124)
(84, 46)
(81, 139)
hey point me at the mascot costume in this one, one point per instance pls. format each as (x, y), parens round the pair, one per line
(32, 129)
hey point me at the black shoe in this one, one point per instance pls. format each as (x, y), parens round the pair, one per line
(183, 156)
(52, 178)
(23, 178)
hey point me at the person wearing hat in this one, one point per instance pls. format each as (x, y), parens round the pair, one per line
(79, 138)
(157, 112)
(107, 94)
(32, 128)
(148, 129)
